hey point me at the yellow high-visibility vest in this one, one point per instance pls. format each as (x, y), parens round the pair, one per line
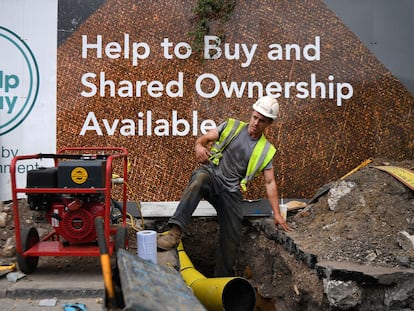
(262, 153)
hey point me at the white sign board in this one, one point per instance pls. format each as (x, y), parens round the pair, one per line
(28, 45)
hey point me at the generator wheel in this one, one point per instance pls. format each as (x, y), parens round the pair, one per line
(120, 238)
(29, 238)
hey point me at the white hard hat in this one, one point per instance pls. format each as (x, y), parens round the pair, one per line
(267, 106)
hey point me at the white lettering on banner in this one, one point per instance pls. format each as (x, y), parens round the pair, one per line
(160, 127)
(114, 50)
(214, 51)
(166, 44)
(207, 85)
(126, 88)
(338, 91)
(276, 52)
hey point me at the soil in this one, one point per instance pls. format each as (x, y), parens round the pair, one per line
(360, 219)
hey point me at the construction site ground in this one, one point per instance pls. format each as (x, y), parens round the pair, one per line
(358, 221)
(55, 283)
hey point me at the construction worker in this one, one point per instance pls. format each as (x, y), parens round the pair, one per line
(239, 153)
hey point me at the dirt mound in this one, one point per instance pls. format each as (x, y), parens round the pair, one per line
(365, 218)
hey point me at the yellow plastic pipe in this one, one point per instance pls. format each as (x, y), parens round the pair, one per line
(224, 293)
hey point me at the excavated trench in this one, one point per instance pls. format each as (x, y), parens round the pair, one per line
(280, 280)
(287, 278)
(352, 249)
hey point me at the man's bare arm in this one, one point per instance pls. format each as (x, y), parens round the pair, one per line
(273, 197)
(202, 151)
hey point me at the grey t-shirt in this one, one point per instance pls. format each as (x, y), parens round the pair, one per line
(233, 165)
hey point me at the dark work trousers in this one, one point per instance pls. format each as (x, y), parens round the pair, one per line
(203, 185)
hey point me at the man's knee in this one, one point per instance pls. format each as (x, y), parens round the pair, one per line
(199, 180)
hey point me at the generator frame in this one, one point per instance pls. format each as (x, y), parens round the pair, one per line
(30, 247)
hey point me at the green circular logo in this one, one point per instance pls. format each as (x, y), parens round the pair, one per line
(19, 80)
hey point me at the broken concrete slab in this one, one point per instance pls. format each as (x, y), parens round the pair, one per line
(148, 286)
(366, 274)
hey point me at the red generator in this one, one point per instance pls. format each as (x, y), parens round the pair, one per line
(72, 194)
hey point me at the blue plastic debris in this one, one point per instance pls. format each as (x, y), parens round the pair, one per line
(74, 307)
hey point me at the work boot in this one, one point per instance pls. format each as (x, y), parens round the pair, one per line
(169, 241)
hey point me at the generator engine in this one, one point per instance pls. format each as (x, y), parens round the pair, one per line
(72, 215)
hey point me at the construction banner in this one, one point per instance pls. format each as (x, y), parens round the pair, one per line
(153, 76)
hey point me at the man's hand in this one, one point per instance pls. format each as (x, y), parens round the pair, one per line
(202, 153)
(279, 220)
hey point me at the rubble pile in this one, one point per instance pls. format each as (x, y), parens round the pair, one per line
(367, 218)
